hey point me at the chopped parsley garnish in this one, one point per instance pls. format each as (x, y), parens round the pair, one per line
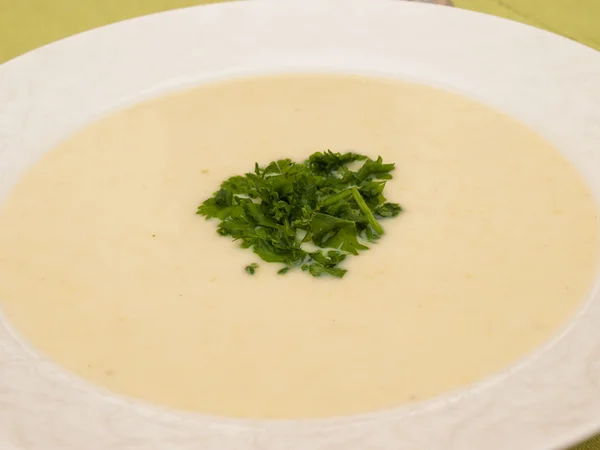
(279, 209)
(251, 268)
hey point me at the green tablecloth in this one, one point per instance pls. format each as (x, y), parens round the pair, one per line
(27, 24)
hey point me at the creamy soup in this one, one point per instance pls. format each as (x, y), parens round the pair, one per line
(106, 268)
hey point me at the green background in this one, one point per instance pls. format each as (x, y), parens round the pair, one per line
(27, 24)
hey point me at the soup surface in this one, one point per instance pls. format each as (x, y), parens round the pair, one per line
(106, 268)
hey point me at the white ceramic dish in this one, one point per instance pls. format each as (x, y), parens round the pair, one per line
(549, 400)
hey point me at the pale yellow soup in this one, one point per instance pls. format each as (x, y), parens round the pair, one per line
(106, 268)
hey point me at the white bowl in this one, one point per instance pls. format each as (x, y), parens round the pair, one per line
(549, 400)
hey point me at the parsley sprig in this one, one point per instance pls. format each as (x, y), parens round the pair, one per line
(279, 209)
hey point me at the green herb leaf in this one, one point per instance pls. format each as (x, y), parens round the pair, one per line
(332, 232)
(387, 210)
(275, 210)
(251, 268)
